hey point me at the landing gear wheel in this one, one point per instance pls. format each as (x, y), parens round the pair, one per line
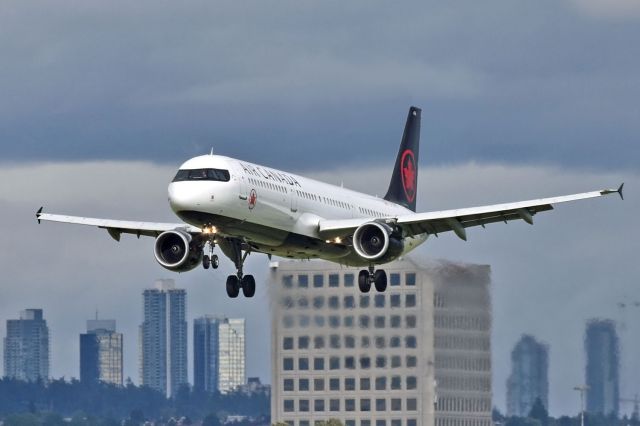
(248, 286)
(380, 280)
(215, 262)
(233, 286)
(363, 281)
(206, 262)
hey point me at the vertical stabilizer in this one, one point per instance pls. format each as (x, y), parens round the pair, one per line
(403, 188)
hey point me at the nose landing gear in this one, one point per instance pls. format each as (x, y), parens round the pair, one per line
(368, 277)
(239, 281)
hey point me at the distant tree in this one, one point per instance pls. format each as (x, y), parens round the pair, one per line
(522, 421)
(22, 420)
(539, 412)
(211, 420)
(53, 419)
(496, 415)
(331, 422)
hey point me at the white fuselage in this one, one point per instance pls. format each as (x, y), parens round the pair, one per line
(276, 212)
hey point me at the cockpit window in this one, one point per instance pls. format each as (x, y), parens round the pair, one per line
(219, 175)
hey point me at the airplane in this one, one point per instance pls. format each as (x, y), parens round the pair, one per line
(246, 208)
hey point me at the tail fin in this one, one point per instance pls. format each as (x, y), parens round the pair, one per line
(403, 188)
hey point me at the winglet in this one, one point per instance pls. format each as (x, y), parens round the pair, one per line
(620, 191)
(38, 213)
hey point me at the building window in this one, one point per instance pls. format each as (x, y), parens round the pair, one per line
(349, 384)
(318, 342)
(364, 301)
(334, 302)
(319, 320)
(334, 321)
(381, 362)
(365, 362)
(318, 405)
(318, 281)
(350, 423)
(394, 279)
(365, 404)
(334, 363)
(395, 342)
(348, 280)
(350, 404)
(381, 404)
(287, 281)
(304, 321)
(379, 300)
(412, 404)
(334, 405)
(412, 382)
(334, 384)
(288, 405)
(412, 422)
(380, 343)
(396, 383)
(379, 321)
(334, 280)
(318, 384)
(396, 361)
(381, 383)
(303, 281)
(410, 342)
(348, 321)
(412, 361)
(303, 405)
(365, 383)
(365, 422)
(318, 364)
(287, 321)
(303, 342)
(334, 341)
(303, 384)
(349, 362)
(364, 321)
(303, 303)
(349, 302)
(287, 364)
(303, 363)
(365, 342)
(288, 385)
(394, 300)
(410, 301)
(318, 302)
(396, 422)
(396, 404)
(287, 343)
(410, 279)
(411, 321)
(395, 321)
(349, 342)
(381, 422)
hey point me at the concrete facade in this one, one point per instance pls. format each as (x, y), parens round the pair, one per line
(26, 347)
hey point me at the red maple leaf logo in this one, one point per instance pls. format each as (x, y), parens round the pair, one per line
(409, 175)
(253, 198)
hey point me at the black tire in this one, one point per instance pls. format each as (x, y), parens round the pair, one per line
(363, 281)
(206, 262)
(215, 262)
(248, 286)
(380, 280)
(233, 286)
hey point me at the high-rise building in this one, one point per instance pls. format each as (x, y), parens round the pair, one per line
(163, 338)
(26, 347)
(529, 379)
(370, 359)
(219, 353)
(601, 347)
(101, 353)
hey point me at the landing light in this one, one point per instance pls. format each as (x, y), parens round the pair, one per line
(209, 230)
(338, 240)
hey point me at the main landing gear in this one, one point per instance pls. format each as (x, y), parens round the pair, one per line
(368, 277)
(240, 281)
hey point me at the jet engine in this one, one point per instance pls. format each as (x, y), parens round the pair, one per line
(177, 251)
(377, 241)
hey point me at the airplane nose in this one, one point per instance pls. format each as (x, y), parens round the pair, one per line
(179, 198)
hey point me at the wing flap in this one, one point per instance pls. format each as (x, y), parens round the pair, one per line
(117, 227)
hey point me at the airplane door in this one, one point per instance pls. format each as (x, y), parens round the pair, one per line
(294, 199)
(243, 188)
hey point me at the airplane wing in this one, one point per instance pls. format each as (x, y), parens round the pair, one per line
(458, 220)
(117, 227)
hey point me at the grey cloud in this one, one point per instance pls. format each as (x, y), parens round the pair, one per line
(575, 263)
(499, 81)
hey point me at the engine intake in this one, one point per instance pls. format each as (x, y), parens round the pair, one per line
(177, 251)
(377, 241)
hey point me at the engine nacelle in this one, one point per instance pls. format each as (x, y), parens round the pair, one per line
(378, 242)
(177, 251)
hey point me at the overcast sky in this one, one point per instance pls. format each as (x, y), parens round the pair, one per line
(100, 102)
